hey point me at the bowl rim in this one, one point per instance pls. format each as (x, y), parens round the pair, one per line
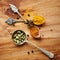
(15, 33)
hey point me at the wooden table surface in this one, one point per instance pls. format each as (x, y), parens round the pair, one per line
(50, 31)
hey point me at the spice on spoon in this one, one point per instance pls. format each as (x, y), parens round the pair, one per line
(19, 37)
(35, 32)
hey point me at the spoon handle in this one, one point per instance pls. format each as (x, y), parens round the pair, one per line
(20, 21)
(22, 17)
(49, 54)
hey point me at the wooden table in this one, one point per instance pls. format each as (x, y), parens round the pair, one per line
(50, 31)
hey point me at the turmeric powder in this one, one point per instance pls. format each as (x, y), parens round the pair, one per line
(38, 20)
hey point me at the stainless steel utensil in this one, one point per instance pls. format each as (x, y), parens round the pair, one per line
(49, 54)
(11, 21)
(15, 10)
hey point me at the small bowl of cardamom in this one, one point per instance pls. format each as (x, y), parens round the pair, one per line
(19, 37)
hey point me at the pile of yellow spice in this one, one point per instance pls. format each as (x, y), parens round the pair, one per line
(37, 20)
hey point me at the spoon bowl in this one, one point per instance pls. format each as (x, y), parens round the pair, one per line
(16, 39)
(20, 41)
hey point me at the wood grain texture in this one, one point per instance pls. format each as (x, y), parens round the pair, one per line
(50, 31)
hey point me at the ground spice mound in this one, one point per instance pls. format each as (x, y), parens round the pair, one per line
(34, 31)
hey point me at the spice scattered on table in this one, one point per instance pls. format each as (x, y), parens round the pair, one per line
(18, 17)
(32, 51)
(28, 52)
(27, 35)
(51, 29)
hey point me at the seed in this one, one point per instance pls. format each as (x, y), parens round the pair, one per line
(27, 35)
(51, 30)
(32, 51)
(21, 41)
(19, 32)
(14, 40)
(17, 41)
(17, 37)
(29, 15)
(17, 17)
(10, 33)
(28, 52)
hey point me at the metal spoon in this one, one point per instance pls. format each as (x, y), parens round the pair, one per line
(15, 10)
(49, 54)
(11, 21)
